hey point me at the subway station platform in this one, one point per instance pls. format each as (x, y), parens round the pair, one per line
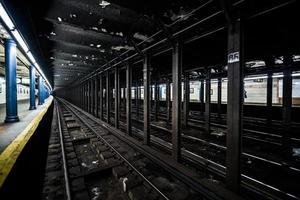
(14, 136)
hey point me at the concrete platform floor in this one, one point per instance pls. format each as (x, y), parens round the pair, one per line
(9, 131)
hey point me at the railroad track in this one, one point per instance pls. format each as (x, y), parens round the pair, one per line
(259, 173)
(192, 159)
(97, 165)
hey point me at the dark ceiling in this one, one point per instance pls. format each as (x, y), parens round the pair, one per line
(72, 38)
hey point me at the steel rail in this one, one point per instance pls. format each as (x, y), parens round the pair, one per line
(116, 151)
(66, 177)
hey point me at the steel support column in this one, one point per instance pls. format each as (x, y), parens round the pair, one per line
(10, 81)
(92, 97)
(168, 100)
(117, 97)
(96, 96)
(219, 97)
(176, 104)
(128, 100)
(201, 96)
(146, 79)
(287, 107)
(269, 97)
(136, 99)
(234, 106)
(40, 92)
(101, 96)
(32, 105)
(186, 100)
(108, 97)
(89, 96)
(156, 100)
(207, 102)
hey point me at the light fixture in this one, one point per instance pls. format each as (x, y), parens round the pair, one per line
(20, 40)
(103, 3)
(18, 37)
(30, 56)
(6, 19)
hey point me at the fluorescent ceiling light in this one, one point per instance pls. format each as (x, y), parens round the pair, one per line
(20, 40)
(30, 56)
(18, 37)
(6, 19)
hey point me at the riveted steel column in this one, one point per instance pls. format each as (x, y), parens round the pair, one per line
(88, 96)
(11, 82)
(156, 100)
(168, 100)
(101, 95)
(96, 96)
(176, 106)
(234, 106)
(85, 96)
(269, 97)
(128, 100)
(207, 102)
(92, 96)
(146, 80)
(117, 97)
(32, 87)
(287, 106)
(108, 96)
(219, 97)
(201, 96)
(40, 92)
(186, 100)
(136, 100)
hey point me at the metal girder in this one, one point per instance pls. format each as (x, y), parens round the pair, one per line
(186, 99)
(101, 96)
(219, 96)
(108, 95)
(234, 106)
(176, 103)
(201, 96)
(207, 101)
(156, 100)
(128, 99)
(287, 86)
(117, 97)
(168, 100)
(146, 80)
(269, 96)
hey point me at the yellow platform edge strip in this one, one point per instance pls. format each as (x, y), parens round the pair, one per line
(10, 155)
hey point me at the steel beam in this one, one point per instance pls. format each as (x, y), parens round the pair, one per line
(128, 100)
(219, 97)
(269, 97)
(168, 100)
(176, 104)
(156, 100)
(207, 101)
(186, 100)
(234, 106)
(287, 107)
(108, 97)
(117, 97)
(202, 96)
(101, 96)
(96, 96)
(92, 96)
(146, 79)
